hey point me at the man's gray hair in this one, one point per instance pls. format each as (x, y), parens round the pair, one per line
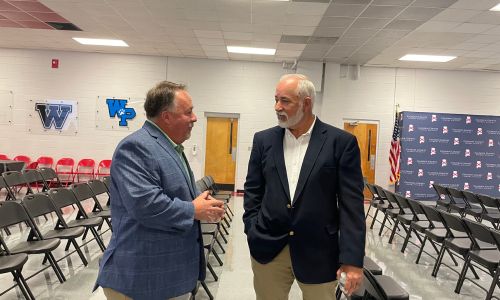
(305, 88)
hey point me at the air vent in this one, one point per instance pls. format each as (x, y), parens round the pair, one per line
(63, 26)
(323, 40)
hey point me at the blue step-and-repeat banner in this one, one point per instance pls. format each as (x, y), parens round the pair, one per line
(459, 151)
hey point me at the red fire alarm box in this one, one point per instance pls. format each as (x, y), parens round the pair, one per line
(55, 63)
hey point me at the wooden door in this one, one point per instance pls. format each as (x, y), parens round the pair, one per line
(220, 159)
(367, 140)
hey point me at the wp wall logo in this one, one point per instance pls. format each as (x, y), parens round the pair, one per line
(118, 108)
(53, 115)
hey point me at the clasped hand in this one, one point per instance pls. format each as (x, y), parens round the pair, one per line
(207, 208)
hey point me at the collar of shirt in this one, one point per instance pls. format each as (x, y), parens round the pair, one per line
(178, 148)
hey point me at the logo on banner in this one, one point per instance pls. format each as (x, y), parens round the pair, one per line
(421, 139)
(489, 176)
(409, 161)
(420, 172)
(433, 151)
(444, 163)
(410, 128)
(478, 164)
(468, 120)
(408, 194)
(455, 174)
(456, 141)
(433, 118)
(467, 152)
(53, 115)
(466, 185)
(490, 143)
(445, 129)
(118, 108)
(431, 183)
(479, 131)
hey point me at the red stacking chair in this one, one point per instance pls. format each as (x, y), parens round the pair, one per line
(64, 169)
(103, 168)
(32, 165)
(23, 158)
(85, 170)
(45, 162)
(4, 157)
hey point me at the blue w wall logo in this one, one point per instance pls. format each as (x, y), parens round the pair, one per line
(53, 114)
(117, 107)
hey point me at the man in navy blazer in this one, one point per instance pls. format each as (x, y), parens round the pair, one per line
(303, 200)
(156, 249)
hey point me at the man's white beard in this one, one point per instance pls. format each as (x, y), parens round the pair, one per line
(291, 121)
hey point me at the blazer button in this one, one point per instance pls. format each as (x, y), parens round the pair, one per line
(292, 233)
(289, 206)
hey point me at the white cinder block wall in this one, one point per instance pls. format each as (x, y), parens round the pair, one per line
(373, 97)
(246, 88)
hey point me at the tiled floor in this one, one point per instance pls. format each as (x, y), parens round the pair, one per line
(235, 277)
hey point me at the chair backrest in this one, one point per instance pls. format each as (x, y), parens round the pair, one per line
(66, 163)
(416, 206)
(380, 192)
(32, 176)
(82, 191)
(452, 222)
(441, 191)
(471, 197)
(13, 178)
(107, 182)
(38, 204)
(23, 158)
(48, 173)
(496, 236)
(62, 197)
(392, 199)
(489, 201)
(103, 167)
(85, 168)
(402, 201)
(432, 214)
(86, 163)
(12, 213)
(456, 195)
(207, 183)
(32, 165)
(373, 287)
(372, 190)
(478, 231)
(45, 161)
(4, 157)
(98, 187)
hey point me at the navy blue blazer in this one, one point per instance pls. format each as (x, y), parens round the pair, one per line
(155, 250)
(326, 215)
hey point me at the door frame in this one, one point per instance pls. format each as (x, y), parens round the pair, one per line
(368, 121)
(209, 114)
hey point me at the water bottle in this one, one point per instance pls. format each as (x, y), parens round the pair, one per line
(342, 280)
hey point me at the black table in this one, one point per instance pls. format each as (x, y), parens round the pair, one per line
(11, 165)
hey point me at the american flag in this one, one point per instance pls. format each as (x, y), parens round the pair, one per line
(395, 152)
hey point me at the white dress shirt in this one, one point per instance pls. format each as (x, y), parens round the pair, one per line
(294, 150)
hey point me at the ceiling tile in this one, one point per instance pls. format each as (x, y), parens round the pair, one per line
(472, 28)
(9, 23)
(329, 31)
(341, 51)
(381, 12)
(211, 48)
(419, 13)
(437, 26)
(289, 46)
(336, 21)
(34, 24)
(30, 6)
(295, 39)
(404, 24)
(360, 33)
(6, 6)
(211, 42)
(433, 3)
(343, 10)
(456, 15)
(489, 17)
(308, 9)
(236, 26)
(483, 39)
(388, 33)
(243, 36)
(288, 53)
(299, 20)
(370, 23)
(392, 2)
(211, 34)
(475, 4)
(352, 1)
(49, 17)
(300, 30)
(493, 31)
(18, 16)
(263, 37)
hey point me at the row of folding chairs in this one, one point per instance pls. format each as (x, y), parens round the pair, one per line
(480, 207)
(453, 234)
(42, 241)
(28, 181)
(214, 232)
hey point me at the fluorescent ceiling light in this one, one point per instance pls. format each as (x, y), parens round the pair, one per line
(101, 42)
(430, 58)
(496, 7)
(250, 50)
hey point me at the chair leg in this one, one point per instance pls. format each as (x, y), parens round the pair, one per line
(421, 250)
(68, 243)
(452, 257)
(220, 245)
(438, 261)
(79, 251)
(368, 211)
(493, 284)
(374, 218)
(205, 287)
(224, 228)
(396, 223)
(407, 239)
(222, 236)
(461, 278)
(21, 282)
(98, 238)
(383, 225)
(217, 258)
(55, 266)
(209, 266)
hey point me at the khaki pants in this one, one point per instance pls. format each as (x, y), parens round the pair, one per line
(272, 281)
(114, 295)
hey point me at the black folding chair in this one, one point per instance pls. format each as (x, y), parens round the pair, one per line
(100, 189)
(492, 206)
(378, 287)
(443, 198)
(14, 264)
(83, 193)
(12, 213)
(51, 178)
(15, 182)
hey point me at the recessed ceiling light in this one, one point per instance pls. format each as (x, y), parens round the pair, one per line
(251, 50)
(101, 42)
(430, 58)
(496, 7)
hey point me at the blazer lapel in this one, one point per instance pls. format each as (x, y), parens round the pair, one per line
(165, 144)
(279, 159)
(316, 143)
